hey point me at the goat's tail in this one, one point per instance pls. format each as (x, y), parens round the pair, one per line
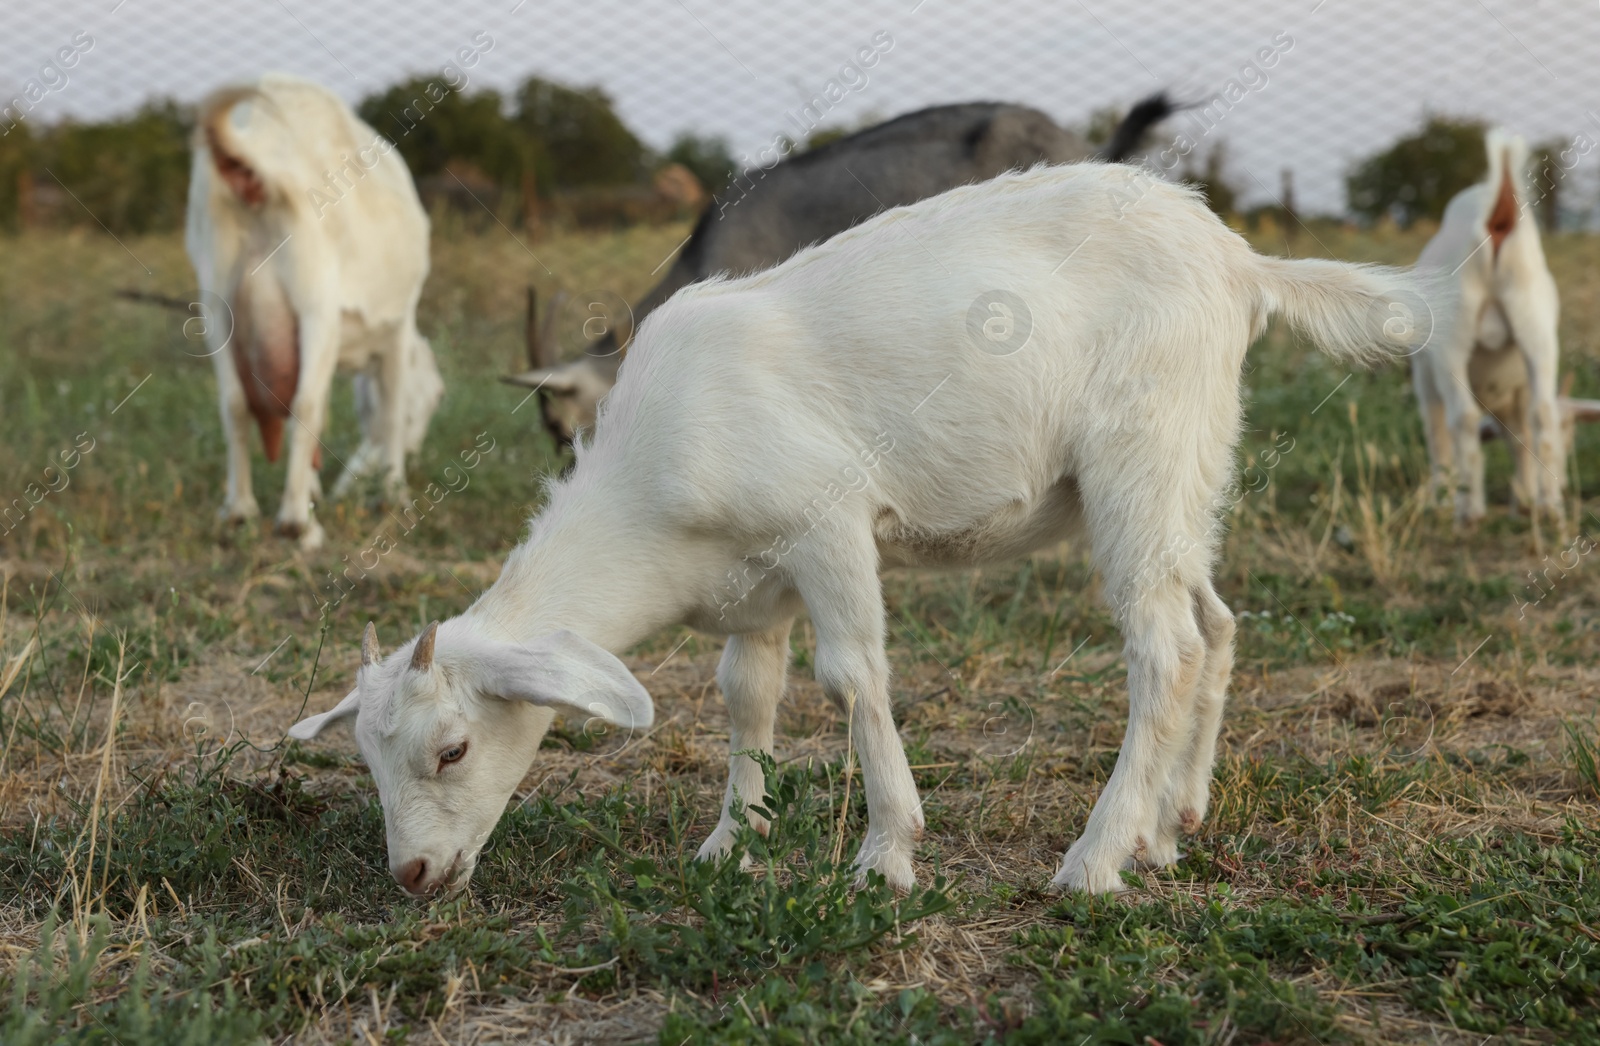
(1360, 314)
(1507, 177)
(1130, 132)
(229, 157)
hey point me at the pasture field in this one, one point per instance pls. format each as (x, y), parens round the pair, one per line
(1404, 844)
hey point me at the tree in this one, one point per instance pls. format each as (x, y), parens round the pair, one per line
(828, 135)
(130, 174)
(580, 140)
(1103, 123)
(1417, 175)
(17, 159)
(707, 158)
(1544, 185)
(432, 125)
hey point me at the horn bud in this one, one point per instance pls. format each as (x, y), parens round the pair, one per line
(369, 646)
(422, 655)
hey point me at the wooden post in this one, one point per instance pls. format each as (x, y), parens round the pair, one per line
(531, 331)
(530, 204)
(26, 216)
(1291, 219)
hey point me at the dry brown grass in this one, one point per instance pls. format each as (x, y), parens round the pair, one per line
(1437, 679)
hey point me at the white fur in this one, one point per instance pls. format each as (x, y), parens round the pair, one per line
(775, 441)
(341, 239)
(1502, 357)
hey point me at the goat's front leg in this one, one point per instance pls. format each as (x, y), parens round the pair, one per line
(366, 396)
(1435, 429)
(841, 589)
(751, 676)
(1463, 417)
(1164, 744)
(239, 503)
(319, 355)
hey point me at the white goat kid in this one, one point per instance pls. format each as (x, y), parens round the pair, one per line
(311, 246)
(956, 382)
(1502, 355)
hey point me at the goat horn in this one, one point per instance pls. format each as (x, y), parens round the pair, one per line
(369, 645)
(1580, 410)
(422, 656)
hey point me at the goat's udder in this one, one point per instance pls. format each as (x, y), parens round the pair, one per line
(268, 363)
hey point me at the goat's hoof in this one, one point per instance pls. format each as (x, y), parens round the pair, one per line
(1467, 523)
(721, 839)
(1089, 869)
(395, 493)
(717, 844)
(1162, 852)
(238, 513)
(346, 484)
(892, 862)
(308, 533)
(312, 538)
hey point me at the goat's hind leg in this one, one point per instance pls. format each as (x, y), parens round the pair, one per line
(1188, 793)
(1150, 524)
(319, 356)
(1531, 312)
(1134, 819)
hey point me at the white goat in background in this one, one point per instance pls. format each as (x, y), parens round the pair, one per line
(308, 239)
(957, 382)
(1502, 356)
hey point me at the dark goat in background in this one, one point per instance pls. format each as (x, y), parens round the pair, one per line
(765, 215)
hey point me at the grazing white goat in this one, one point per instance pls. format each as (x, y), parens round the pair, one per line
(307, 235)
(960, 381)
(1502, 356)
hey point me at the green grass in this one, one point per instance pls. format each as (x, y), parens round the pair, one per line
(635, 905)
(1401, 846)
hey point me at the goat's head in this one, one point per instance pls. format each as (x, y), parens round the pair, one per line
(449, 724)
(569, 394)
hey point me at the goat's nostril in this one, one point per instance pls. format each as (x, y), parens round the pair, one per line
(413, 874)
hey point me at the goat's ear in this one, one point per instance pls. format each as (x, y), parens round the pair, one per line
(311, 726)
(565, 671)
(1581, 410)
(558, 381)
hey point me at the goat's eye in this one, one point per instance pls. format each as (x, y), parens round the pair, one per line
(453, 754)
